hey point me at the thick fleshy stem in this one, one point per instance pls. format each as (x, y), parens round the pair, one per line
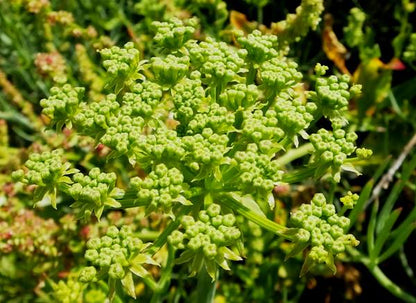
(280, 230)
(205, 290)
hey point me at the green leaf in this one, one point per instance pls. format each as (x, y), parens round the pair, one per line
(395, 192)
(229, 254)
(186, 256)
(144, 259)
(384, 233)
(359, 207)
(296, 248)
(249, 202)
(112, 203)
(39, 193)
(211, 268)
(128, 284)
(397, 243)
(138, 270)
(196, 264)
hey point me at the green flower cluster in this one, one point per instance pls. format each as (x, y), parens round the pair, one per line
(259, 47)
(215, 117)
(308, 16)
(94, 191)
(206, 240)
(162, 146)
(68, 292)
(216, 61)
(120, 62)
(205, 152)
(143, 100)
(257, 174)
(354, 34)
(294, 115)
(409, 55)
(160, 189)
(28, 235)
(332, 149)
(239, 96)
(262, 129)
(94, 118)
(62, 105)
(187, 96)
(169, 70)
(278, 74)
(349, 200)
(122, 65)
(121, 134)
(47, 171)
(321, 228)
(332, 94)
(118, 255)
(172, 35)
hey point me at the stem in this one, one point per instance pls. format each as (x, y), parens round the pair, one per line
(390, 285)
(163, 237)
(294, 154)
(260, 15)
(379, 275)
(205, 289)
(165, 277)
(251, 75)
(254, 217)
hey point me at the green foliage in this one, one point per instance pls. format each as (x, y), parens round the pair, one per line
(200, 137)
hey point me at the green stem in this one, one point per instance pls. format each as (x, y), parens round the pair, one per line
(294, 154)
(251, 75)
(165, 277)
(390, 285)
(260, 15)
(205, 290)
(379, 275)
(267, 224)
(163, 237)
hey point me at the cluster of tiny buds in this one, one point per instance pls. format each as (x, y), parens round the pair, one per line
(120, 61)
(208, 233)
(160, 188)
(111, 253)
(43, 169)
(321, 227)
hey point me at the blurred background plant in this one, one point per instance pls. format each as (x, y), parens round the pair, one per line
(48, 43)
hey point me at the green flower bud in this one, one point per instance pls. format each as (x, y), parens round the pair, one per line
(87, 274)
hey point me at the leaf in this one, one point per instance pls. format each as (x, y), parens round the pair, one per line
(307, 265)
(384, 233)
(112, 203)
(185, 257)
(138, 270)
(350, 168)
(39, 193)
(196, 264)
(229, 254)
(65, 179)
(296, 248)
(99, 211)
(144, 259)
(211, 268)
(128, 284)
(52, 196)
(248, 202)
(183, 200)
(271, 201)
(330, 263)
